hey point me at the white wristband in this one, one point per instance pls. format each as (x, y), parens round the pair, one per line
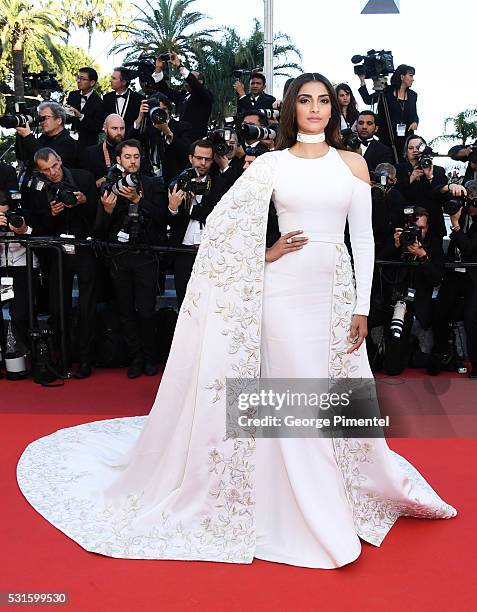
(173, 212)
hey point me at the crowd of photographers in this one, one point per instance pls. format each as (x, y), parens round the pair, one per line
(146, 170)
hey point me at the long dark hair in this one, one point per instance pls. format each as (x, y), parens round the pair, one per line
(401, 70)
(288, 126)
(352, 113)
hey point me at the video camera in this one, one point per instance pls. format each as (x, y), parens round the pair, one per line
(375, 64)
(116, 180)
(41, 81)
(15, 215)
(58, 192)
(22, 117)
(189, 181)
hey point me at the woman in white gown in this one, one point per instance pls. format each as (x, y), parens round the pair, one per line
(172, 485)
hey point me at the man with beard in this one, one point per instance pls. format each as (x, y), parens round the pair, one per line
(98, 158)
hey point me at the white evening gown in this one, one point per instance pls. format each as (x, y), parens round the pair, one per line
(140, 487)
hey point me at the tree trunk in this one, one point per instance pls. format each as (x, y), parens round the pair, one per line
(18, 84)
(90, 36)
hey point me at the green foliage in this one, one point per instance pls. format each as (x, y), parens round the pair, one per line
(91, 15)
(464, 126)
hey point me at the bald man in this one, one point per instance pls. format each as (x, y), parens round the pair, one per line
(98, 158)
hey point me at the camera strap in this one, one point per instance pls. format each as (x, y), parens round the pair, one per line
(107, 157)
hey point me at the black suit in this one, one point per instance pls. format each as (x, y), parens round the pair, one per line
(248, 103)
(91, 125)
(132, 109)
(193, 108)
(378, 153)
(94, 159)
(8, 178)
(173, 157)
(62, 143)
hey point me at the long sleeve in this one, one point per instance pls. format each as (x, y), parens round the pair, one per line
(362, 243)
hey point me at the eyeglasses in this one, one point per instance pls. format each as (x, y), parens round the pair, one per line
(43, 117)
(200, 158)
(80, 78)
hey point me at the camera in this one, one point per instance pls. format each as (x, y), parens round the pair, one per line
(58, 192)
(165, 57)
(245, 72)
(411, 231)
(270, 113)
(426, 154)
(250, 131)
(189, 181)
(219, 138)
(113, 174)
(375, 64)
(473, 153)
(157, 114)
(453, 204)
(143, 69)
(15, 215)
(41, 81)
(22, 117)
(350, 139)
(380, 182)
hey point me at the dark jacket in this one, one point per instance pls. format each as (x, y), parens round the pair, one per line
(194, 108)
(79, 220)
(93, 159)
(152, 214)
(387, 214)
(470, 173)
(91, 125)
(246, 103)
(378, 153)
(62, 143)
(466, 242)
(424, 193)
(132, 108)
(174, 156)
(8, 178)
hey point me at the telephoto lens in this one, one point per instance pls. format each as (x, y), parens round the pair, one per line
(397, 322)
(128, 180)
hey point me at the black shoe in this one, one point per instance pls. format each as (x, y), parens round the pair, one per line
(135, 369)
(83, 371)
(150, 368)
(473, 372)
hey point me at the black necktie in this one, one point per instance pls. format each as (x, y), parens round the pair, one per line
(365, 142)
(122, 96)
(85, 98)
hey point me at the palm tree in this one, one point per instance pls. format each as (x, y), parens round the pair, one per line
(464, 128)
(24, 25)
(168, 27)
(91, 15)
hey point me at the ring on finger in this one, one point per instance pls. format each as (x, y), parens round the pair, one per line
(289, 240)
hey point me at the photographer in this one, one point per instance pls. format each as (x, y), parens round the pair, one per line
(162, 138)
(134, 211)
(413, 288)
(98, 158)
(257, 98)
(192, 197)
(466, 153)
(423, 183)
(260, 120)
(13, 271)
(86, 108)
(227, 164)
(54, 136)
(122, 101)
(66, 207)
(401, 102)
(193, 103)
(460, 284)
(373, 151)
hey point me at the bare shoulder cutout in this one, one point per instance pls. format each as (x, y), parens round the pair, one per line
(357, 164)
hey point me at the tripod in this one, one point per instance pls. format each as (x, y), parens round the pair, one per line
(379, 83)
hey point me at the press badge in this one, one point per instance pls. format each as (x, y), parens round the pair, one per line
(401, 129)
(69, 249)
(6, 288)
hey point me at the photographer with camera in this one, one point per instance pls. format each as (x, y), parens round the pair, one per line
(257, 98)
(459, 285)
(255, 129)
(373, 151)
(52, 117)
(134, 212)
(86, 108)
(226, 162)
(64, 204)
(122, 101)
(14, 221)
(192, 197)
(99, 158)
(194, 102)
(466, 153)
(423, 183)
(413, 288)
(397, 107)
(162, 138)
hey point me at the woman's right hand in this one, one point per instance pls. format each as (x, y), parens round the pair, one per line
(416, 174)
(282, 247)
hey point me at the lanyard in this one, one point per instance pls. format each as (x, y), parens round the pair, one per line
(107, 157)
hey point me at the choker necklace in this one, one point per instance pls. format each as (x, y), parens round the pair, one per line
(310, 138)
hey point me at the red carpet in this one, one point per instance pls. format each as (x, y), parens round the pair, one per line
(422, 564)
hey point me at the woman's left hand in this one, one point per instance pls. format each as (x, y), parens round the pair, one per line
(413, 127)
(358, 332)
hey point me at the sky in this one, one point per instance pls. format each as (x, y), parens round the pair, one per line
(427, 34)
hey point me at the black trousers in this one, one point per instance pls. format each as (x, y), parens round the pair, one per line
(183, 263)
(454, 287)
(83, 265)
(134, 277)
(18, 306)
